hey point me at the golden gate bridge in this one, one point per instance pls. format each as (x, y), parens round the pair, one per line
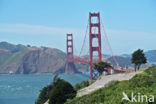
(94, 33)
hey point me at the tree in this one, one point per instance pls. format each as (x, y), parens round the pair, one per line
(45, 92)
(61, 93)
(58, 91)
(138, 58)
(102, 66)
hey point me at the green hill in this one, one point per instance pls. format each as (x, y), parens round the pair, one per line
(12, 48)
(20, 59)
(122, 61)
(143, 84)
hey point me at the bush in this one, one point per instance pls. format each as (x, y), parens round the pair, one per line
(61, 93)
(81, 85)
(44, 93)
(42, 97)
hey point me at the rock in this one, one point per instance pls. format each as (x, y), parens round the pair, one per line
(40, 61)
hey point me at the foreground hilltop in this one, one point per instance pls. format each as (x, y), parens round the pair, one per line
(126, 88)
(105, 80)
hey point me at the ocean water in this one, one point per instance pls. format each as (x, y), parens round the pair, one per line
(24, 89)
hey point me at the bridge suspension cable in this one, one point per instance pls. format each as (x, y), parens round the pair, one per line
(84, 41)
(109, 46)
(75, 50)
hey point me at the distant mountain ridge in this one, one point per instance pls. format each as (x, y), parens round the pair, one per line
(151, 56)
(12, 48)
(21, 59)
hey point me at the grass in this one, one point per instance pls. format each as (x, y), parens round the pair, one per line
(11, 58)
(143, 83)
(3, 58)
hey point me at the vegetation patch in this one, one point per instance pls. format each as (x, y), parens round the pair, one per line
(81, 85)
(140, 84)
(58, 92)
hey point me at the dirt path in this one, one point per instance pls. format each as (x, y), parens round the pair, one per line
(104, 81)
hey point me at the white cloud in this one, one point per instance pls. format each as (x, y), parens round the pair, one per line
(130, 35)
(120, 40)
(45, 30)
(36, 29)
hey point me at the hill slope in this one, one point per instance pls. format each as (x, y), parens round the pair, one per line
(139, 85)
(102, 82)
(21, 59)
(151, 56)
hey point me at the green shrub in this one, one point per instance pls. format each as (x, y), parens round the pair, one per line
(42, 97)
(81, 85)
(61, 93)
(44, 93)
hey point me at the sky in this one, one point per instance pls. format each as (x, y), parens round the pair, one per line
(130, 24)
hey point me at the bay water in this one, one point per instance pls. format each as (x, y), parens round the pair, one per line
(24, 89)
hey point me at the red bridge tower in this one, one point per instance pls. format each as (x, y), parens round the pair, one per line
(94, 34)
(70, 67)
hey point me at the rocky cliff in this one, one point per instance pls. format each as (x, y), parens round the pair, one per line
(22, 59)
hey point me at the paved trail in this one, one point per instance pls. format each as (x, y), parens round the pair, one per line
(104, 81)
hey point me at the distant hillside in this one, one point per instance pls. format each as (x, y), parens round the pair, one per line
(22, 59)
(122, 61)
(125, 59)
(151, 56)
(12, 48)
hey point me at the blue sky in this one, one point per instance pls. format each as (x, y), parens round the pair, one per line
(130, 24)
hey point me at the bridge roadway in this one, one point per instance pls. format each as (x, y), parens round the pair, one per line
(86, 61)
